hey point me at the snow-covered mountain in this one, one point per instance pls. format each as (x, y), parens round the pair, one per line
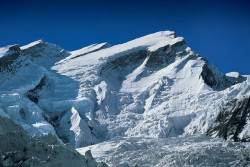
(154, 87)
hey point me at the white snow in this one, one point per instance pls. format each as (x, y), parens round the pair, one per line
(245, 133)
(87, 49)
(193, 150)
(80, 129)
(101, 90)
(233, 74)
(5, 49)
(165, 43)
(145, 102)
(31, 44)
(115, 96)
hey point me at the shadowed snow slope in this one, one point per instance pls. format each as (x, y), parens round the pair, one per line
(17, 148)
(151, 87)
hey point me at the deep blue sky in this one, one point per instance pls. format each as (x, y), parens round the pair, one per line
(218, 30)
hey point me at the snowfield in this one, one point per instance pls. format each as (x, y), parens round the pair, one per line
(149, 101)
(192, 150)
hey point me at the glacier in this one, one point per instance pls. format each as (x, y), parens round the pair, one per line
(139, 101)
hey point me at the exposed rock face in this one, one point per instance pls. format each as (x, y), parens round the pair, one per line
(215, 80)
(122, 62)
(10, 62)
(34, 93)
(232, 120)
(17, 148)
(10, 56)
(165, 53)
(41, 48)
(16, 57)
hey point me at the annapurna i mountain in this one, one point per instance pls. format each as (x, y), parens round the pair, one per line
(132, 95)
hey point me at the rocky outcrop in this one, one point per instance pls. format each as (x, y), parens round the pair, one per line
(34, 93)
(214, 78)
(41, 48)
(16, 57)
(231, 121)
(10, 62)
(122, 62)
(164, 54)
(10, 56)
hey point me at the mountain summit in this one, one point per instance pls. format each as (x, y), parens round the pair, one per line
(154, 87)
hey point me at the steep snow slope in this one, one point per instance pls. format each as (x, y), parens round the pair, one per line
(28, 82)
(154, 86)
(151, 87)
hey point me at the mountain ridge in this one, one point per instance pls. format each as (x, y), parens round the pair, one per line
(154, 87)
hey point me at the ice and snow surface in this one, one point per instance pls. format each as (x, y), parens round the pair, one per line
(3, 50)
(233, 74)
(147, 89)
(31, 44)
(193, 150)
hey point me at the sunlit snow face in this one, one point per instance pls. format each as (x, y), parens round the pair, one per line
(148, 89)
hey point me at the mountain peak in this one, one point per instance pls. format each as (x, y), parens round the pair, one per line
(154, 86)
(33, 44)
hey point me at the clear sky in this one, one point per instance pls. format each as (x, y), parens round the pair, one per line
(218, 30)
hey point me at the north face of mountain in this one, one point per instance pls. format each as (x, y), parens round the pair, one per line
(155, 86)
